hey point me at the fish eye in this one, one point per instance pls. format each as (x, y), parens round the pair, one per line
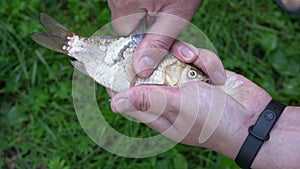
(192, 74)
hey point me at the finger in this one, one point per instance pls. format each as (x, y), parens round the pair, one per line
(204, 59)
(157, 42)
(211, 64)
(151, 105)
(154, 121)
(155, 99)
(126, 24)
(160, 124)
(125, 17)
(110, 92)
(185, 52)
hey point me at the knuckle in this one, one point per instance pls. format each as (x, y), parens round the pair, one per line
(160, 44)
(140, 99)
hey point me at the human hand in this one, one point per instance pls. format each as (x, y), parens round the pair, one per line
(208, 62)
(198, 114)
(170, 17)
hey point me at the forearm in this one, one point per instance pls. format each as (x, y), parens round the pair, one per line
(282, 150)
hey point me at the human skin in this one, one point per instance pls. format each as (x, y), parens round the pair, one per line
(145, 61)
(291, 5)
(174, 109)
(244, 100)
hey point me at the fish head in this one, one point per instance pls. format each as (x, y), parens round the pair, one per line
(179, 73)
(190, 73)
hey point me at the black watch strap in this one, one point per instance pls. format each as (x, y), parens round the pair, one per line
(258, 133)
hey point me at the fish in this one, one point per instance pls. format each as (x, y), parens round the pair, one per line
(109, 59)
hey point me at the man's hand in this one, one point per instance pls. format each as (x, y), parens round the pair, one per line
(169, 19)
(198, 114)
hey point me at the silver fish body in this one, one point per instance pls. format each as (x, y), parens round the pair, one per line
(108, 60)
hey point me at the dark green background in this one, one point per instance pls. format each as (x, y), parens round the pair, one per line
(38, 124)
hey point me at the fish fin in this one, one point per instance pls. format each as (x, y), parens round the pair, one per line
(53, 27)
(50, 41)
(56, 36)
(79, 66)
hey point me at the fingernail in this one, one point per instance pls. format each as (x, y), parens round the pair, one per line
(121, 105)
(145, 65)
(219, 77)
(187, 52)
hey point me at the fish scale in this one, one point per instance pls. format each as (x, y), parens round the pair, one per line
(109, 60)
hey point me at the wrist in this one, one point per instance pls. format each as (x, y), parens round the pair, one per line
(233, 128)
(281, 150)
(259, 133)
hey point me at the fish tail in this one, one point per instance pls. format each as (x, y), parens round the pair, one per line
(56, 36)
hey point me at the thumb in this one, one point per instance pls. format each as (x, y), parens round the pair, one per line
(157, 42)
(150, 98)
(205, 60)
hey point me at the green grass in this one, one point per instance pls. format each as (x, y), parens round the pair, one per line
(38, 124)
